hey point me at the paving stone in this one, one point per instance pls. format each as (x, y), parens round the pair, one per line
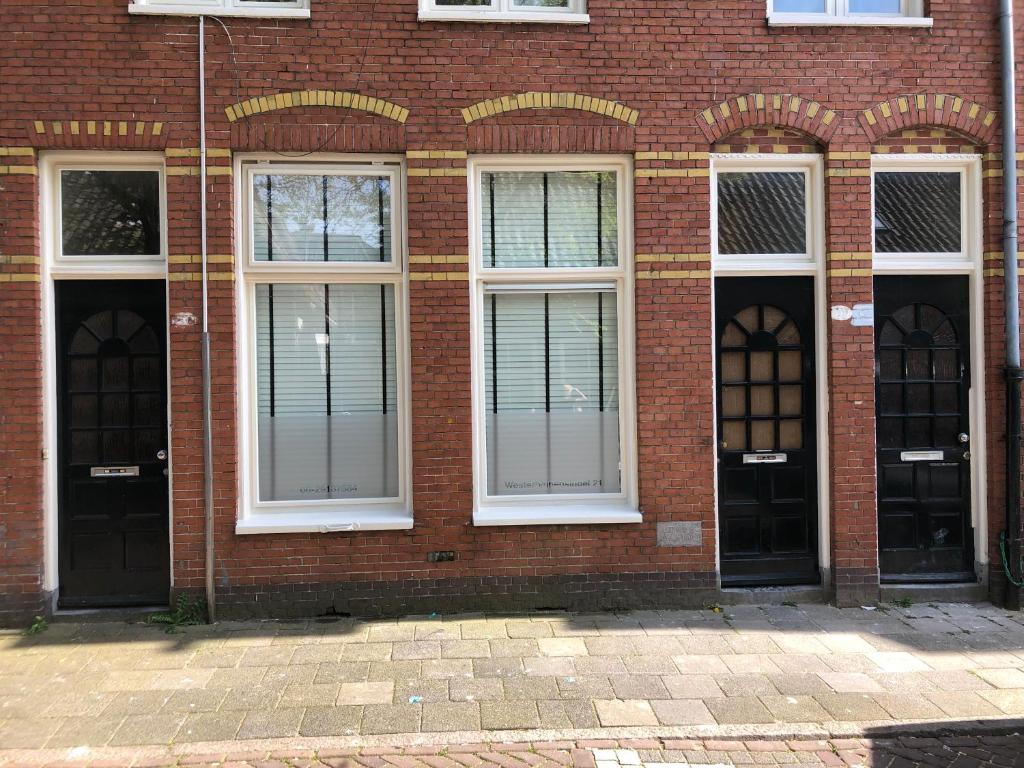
(419, 691)
(682, 712)
(520, 630)
(513, 648)
(649, 665)
(750, 664)
(700, 665)
(343, 672)
(639, 687)
(599, 665)
(957, 680)
(498, 667)
(797, 684)
(195, 700)
(416, 649)
(1002, 678)
(739, 710)
(963, 704)
(568, 714)
(391, 718)
(531, 688)
(271, 724)
(902, 706)
(509, 715)
(451, 716)
(794, 709)
(465, 649)
(851, 706)
(366, 693)
(585, 687)
(895, 661)
(562, 646)
(850, 682)
(388, 671)
(210, 726)
(147, 729)
(1010, 702)
(137, 703)
(258, 697)
(446, 669)
(625, 712)
(366, 652)
(476, 689)
(745, 685)
(72, 732)
(692, 686)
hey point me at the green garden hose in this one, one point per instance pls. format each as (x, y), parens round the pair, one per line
(1006, 561)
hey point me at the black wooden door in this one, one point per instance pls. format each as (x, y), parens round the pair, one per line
(112, 426)
(923, 380)
(767, 450)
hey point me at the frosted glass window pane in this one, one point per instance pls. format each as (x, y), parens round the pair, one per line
(917, 212)
(875, 6)
(549, 219)
(762, 213)
(799, 6)
(110, 213)
(551, 368)
(327, 392)
(321, 218)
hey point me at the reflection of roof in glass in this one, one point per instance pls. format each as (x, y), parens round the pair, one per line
(761, 213)
(917, 212)
(110, 213)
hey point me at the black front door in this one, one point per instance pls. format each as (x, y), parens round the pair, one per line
(112, 427)
(923, 380)
(767, 456)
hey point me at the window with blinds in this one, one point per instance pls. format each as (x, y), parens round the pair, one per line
(325, 291)
(550, 284)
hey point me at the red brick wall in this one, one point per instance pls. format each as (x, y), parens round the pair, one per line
(88, 60)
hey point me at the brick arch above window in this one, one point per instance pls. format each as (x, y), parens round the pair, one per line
(767, 110)
(340, 99)
(770, 140)
(549, 100)
(926, 140)
(923, 110)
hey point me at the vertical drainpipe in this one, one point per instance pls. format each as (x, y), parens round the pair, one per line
(1011, 298)
(211, 603)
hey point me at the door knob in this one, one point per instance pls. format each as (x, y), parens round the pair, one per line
(161, 454)
(963, 437)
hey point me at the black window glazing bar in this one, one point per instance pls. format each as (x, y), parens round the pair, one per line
(380, 217)
(270, 292)
(494, 352)
(494, 244)
(383, 349)
(327, 306)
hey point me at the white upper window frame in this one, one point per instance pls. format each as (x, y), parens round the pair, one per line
(838, 13)
(289, 9)
(812, 166)
(504, 10)
(971, 238)
(555, 509)
(140, 265)
(327, 515)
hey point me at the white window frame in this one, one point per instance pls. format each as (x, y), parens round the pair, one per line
(969, 168)
(838, 13)
(116, 264)
(323, 515)
(295, 9)
(773, 265)
(504, 10)
(555, 509)
(812, 167)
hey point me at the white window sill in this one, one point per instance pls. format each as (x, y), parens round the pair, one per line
(504, 16)
(325, 521)
(556, 514)
(826, 20)
(183, 9)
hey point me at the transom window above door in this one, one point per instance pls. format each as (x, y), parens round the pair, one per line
(847, 12)
(324, 368)
(552, 319)
(553, 11)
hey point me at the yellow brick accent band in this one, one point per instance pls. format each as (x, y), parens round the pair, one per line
(836, 156)
(194, 152)
(674, 274)
(849, 273)
(193, 170)
(337, 99)
(437, 154)
(850, 256)
(668, 258)
(425, 277)
(550, 100)
(195, 258)
(846, 172)
(419, 258)
(17, 152)
(699, 156)
(18, 170)
(437, 172)
(195, 277)
(19, 277)
(688, 173)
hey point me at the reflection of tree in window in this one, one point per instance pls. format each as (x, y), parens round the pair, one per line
(110, 213)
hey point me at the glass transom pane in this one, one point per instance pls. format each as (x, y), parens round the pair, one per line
(326, 218)
(326, 391)
(799, 6)
(110, 213)
(918, 212)
(552, 394)
(876, 6)
(532, 219)
(762, 212)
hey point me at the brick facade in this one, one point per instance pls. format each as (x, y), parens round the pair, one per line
(666, 82)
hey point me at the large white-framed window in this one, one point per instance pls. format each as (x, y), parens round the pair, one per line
(552, 334)
(258, 8)
(766, 212)
(847, 12)
(109, 213)
(323, 368)
(925, 211)
(551, 11)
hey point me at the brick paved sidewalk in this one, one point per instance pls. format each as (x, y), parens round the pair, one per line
(813, 670)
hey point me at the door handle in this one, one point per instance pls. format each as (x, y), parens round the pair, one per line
(964, 438)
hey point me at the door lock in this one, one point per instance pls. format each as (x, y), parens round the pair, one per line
(967, 455)
(161, 454)
(963, 437)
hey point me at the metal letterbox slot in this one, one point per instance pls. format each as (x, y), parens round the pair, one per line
(113, 471)
(921, 456)
(765, 458)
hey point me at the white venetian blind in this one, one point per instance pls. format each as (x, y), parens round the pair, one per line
(552, 399)
(534, 219)
(333, 218)
(326, 391)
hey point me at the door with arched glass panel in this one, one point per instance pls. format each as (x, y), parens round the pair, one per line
(767, 460)
(922, 388)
